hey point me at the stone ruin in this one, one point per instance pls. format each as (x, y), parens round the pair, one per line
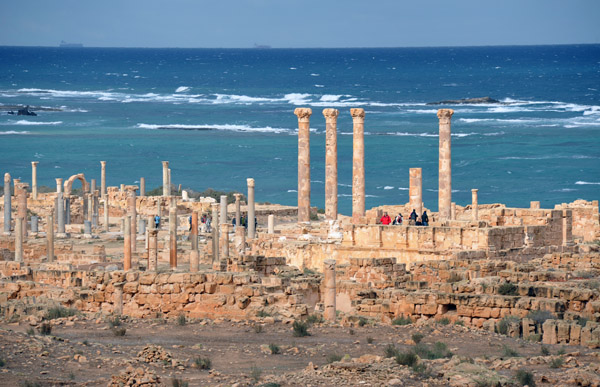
(528, 272)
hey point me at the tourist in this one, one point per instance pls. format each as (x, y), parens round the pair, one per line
(397, 220)
(243, 221)
(157, 222)
(418, 222)
(208, 222)
(385, 219)
(413, 216)
(233, 223)
(190, 219)
(425, 219)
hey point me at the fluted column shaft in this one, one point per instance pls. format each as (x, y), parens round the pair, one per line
(331, 167)
(445, 164)
(358, 165)
(34, 192)
(329, 299)
(474, 205)
(238, 211)
(223, 218)
(7, 203)
(103, 179)
(166, 188)
(415, 191)
(173, 237)
(303, 163)
(251, 216)
(60, 213)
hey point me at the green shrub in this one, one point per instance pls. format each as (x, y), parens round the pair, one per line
(503, 324)
(557, 362)
(402, 321)
(119, 331)
(525, 378)
(114, 322)
(300, 329)
(45, 328)
(2, 362)
(258, 328)
(307, 271)
(362, 321)
(181, 320)
(439, 350)
(421, 370)
(508, 351)
(540, 316)
(30, 331)
(314, 319)
(369, 340)
(536, 337)
(60, 312)
(179, 383)
(262, 313)
(406, 358)
(333, 357)
(202, 363)
(459, 322)
(314, 216)
(390, 350)
(443, 321)
(508, 289)
(274, 349)
(417, 337)
(561, 351)
(544, 350)
(255, 373)
(582, 321)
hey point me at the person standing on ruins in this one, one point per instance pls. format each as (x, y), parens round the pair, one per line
(208, 221)
(157, 222)
(413, 218)
(425, 219)
(397, 220)
(385, 219)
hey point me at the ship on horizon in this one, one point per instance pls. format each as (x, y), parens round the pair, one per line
(70, 45)
(263, 46)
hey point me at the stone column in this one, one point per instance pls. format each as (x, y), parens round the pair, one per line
(303, 164)
(152, 249)
(445, 165)
(142, 226)
(84, 206)
(215, 230)
(92, 186)
(142, 186)
(194, 232)
(16, 183)
(7, 204)
(60, 214)
(59, 184)
(452, 211)
(118, 298)
(223, 218)
(34, 224)
(567, 227)
(474, 205)
(166, 188)
(535, 205)
(271, 224)
(194, 261)
(415, 191)
(240, 239)
(132, 212)
(106, 213)
(238, 212)
(251, 216)
(358, 166)
(87, 229)
(50, 238)
(169, 181)
(34, 179)
(159, 207)
(224, 248)
(103, 179)
(331, 170)
(95, 212)
(21, 192)
(67, 210)
(19, 239)
(329, 299)
(90, 206)
(173, 238)
(127, 244)
(122, 188)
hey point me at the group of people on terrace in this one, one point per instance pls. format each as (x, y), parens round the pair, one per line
(413, 219)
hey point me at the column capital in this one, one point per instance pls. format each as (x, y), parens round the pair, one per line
(103, 163)
(214, 206)
(23, 186)
(303, 114)
(59, 180)
(165, 164)
(445, 114)
(7, 178)
(237, 196)
(250, 182)
(474, 190)
(34, 163)
(330, 115)
(358, 114)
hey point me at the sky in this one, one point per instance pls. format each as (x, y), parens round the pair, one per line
(299, 23)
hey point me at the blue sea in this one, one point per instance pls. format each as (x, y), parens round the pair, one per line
(222, 115)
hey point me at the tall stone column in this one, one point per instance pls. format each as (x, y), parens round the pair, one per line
(474, 205)
(16, 183)
(240, 239)
(127, 244)
(166, 188)
(60, 214)
(194, 232)
(50, 237)
(132, 212)
(215, 230)
(142, 186)
(238, 212)
(7, 204)
(90, 206)
(567, 227)
(303, 164)
(19, 239)
(103, 179)
(173, 238)
(59, 184)
(271, 224)
(152, 249)
(67, 210)
(21, 192)
(224, 240)
(223, 218)
(92, 186)
(84, 205)
(96, 212)
(34, 191)
(169, 180)
(331, 170)
(358, 165)
(445, 165)
(251, 216)
(329, 299)
(106, 213)
(415, 191)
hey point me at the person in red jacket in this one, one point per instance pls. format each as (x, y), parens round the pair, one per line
(385, 219)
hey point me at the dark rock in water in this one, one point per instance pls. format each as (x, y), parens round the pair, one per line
(470, 101)
(12, 108)
(25, 112)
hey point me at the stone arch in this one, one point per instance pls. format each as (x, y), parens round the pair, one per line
(69, 183)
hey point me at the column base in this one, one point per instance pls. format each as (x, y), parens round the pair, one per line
(62, 235)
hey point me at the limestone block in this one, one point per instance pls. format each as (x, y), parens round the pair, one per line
(147, 278)
(428, 309)
(130, 287)
(210, 287)
(575, 334)
(549, 332)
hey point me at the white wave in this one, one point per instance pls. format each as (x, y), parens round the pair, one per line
(14, 132)
(403, 189)
(388, 187)
(292, 190)
(319, 85)
(330, 98)
(564, 190)
(232, 98)
(586, 183)
(371, 196)
(297, 98)
(345, 185)
(236, 128)
(182, 89)
(314, 75)
(26, 123)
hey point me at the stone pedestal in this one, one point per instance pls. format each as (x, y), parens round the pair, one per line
(127, 243)
(303, 164)
(19, 239)
(166, 188)
(215, 230)
(142, 186)
(173, 238)
(50, 238)
(415, 191)
(238, 212)
(329, 299)
(152, 249)
(103, 179)
(224, 242)
(271, 224)
(474, 206)
(34, 191)
(331, 167)
(223, 218)
(194, 231)
(445, 164)
(358, 165)
(251, 215)
(132, 212)
(7, 204)
(59, 184)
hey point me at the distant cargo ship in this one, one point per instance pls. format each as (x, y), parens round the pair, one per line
(65, 44)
